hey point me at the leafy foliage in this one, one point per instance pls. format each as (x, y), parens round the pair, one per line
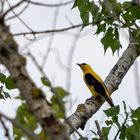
(128, 129)
(26, 119)
(6, 82)
(45, 82)
(109, 16)
(57, 100)
(28, 122)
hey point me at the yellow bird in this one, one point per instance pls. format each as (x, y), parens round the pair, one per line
(95, 83)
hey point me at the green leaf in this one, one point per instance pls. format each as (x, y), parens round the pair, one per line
(118, 7)
(60, 92)
(9, 83)
(115, 120)
(127, 4)
(131, 110)
(109, 122)
(42, 135)
(56, 107)
(2, 78)
(84, 138)
(132, 15)
(101, 28)
(26, 119)
(76, 3)
(128, 19)
(132, 133)
(95, 139)
(136, 123)
(136, 113)
(113, 111)
(94, 10)
(84, 8)
(107, 39)
(136, 34)
(135, 12)
(111, 39)
(106, 131)
(122, 133)
(45, 81)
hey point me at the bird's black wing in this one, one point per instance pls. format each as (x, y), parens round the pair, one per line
(98, 86)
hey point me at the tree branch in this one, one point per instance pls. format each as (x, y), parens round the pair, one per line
(19, 13)
(48, 5)
(37, 103)
(84, 111)
(5, 128)
(64, 29)
(12, 8)
(99, 130)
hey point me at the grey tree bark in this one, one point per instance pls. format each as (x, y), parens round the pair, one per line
(35, 99)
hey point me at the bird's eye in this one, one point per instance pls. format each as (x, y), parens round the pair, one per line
(83, 63)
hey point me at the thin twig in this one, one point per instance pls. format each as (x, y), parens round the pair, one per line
(49, 5)
(71, 27)
(64, 29)
(36, 63)
(70, 56)
(120, 127)
(21, 12)
(99, 131)
(5, 128)
(52, 37)
(12, 8)
(2, 2)
(29, 28)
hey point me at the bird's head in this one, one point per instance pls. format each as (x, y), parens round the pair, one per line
(84, 67)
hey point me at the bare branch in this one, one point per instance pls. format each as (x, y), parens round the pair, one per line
(29, 28)
(99, 130)
(2, 2)
(12, 8)
(5, 128)
(67, 28)
(49, 5)
(18, 14)
(51, 31)
(52, 37)
(70, 56)
(37, 65)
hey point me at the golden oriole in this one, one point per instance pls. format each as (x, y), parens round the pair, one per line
(95, 83)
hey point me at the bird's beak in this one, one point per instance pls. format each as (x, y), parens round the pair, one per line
(79, 65)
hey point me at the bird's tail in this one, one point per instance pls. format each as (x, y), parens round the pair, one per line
(110, 102)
